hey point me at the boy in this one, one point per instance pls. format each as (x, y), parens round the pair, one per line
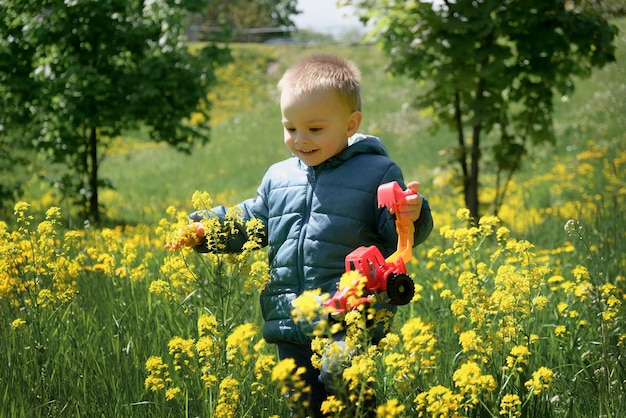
(320, 204)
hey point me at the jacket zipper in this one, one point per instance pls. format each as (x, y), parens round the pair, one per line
(312, 180)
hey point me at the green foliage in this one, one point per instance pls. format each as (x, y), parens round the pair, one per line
(14, 162)
(491, 67)
(83, 71)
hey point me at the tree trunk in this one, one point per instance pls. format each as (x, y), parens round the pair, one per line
(471, 184)
(94, 208)
(470, 171)
(472, 181)
(462, 158)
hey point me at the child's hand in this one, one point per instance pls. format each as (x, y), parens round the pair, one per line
(188, 236)
(410, 209)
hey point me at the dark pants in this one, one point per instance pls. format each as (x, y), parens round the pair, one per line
(302, 353)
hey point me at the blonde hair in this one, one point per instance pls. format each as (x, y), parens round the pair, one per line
(324, 72)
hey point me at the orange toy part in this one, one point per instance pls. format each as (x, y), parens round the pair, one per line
(391, 195)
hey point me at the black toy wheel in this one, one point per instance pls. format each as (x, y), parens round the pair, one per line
(400, 289)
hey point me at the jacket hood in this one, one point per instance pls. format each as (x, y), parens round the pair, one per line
(357, 144)
(365, 144)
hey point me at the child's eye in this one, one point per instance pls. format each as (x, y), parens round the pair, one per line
(290, 129)
(315, 129)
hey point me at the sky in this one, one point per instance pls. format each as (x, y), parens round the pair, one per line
(324, 16)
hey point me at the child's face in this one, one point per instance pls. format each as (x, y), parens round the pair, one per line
(317, 125)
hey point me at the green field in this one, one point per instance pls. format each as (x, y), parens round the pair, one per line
(522, 316)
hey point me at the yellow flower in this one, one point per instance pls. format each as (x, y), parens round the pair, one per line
(581, 273)
(239, 341)
(510, 405)
(359, 375)
(255, 229)
(463, 214)
(20, 207)
(487, 223)
(555, 280)
(390, 342)
(206, 348)
(419, 342)
(307, 307)
(171, 393)
(17, 323)
(520, 246)
(19, 210)
(439, 401)
(503, 233)
(207, 325)
(158, 375)
(179, 274)
(258, 277)
(541, 302)
(53, 213)
(263, 365)
(471, 382)
(399, 365)
(392, 408)
(228, 400)
(470, 341)
(519, 355)
(354, 279)
(283, 370)
(433, 253)
(290, 378)
(45, 298)
(171, 211)
(161, 288)
(583, 289)
(540, 381)
(332, 406)
(560, 330)
(437, 285)
(183, 352)
(201, 200)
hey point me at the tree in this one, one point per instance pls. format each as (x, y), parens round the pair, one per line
(491, 70)
(252, 20)
(607, 8)
(243, 14)
(75, 74)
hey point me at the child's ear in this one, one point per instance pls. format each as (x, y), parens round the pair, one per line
(354, 122)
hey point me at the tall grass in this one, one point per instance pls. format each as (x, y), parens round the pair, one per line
(520, 316)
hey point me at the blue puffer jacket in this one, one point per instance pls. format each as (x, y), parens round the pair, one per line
(313, 218)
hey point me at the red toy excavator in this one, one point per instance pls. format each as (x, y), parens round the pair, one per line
(387, 279)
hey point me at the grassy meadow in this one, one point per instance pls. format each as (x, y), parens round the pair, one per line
(521, 315)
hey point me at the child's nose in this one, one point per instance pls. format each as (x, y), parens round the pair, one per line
(301, 137)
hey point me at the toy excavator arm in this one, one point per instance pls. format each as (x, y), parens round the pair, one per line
(391, 195)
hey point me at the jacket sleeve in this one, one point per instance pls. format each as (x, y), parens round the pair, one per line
(423, 224)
